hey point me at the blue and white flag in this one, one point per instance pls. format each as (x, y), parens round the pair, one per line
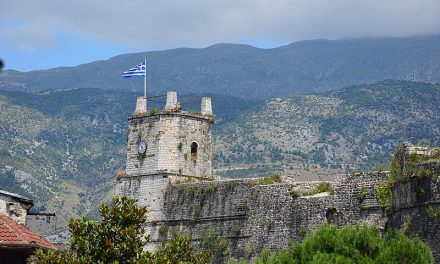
(138, 70)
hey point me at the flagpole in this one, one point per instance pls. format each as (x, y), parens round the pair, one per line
(145, 79)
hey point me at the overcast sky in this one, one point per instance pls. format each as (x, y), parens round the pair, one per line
(40, 34)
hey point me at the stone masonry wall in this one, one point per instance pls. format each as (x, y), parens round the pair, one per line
(169, 137)
(413, 198)
(13, 208)
(149, 192)
(255, 216)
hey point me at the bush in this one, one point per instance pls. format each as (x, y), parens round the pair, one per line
(433, 212)
(270, 180)
(351, 244)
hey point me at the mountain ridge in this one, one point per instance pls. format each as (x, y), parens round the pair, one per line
(248, 72)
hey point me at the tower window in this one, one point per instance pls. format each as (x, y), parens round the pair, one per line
(194, 147)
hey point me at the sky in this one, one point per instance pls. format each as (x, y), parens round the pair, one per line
(42, 34)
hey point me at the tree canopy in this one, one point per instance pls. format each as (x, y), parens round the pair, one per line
(120, 238)
(351, 244)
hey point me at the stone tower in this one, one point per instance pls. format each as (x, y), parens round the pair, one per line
(163, 145)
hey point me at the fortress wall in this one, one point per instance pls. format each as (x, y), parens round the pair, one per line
(148, 190)
(256, 216)
(412, 199)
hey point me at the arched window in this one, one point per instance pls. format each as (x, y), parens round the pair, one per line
(194, 147)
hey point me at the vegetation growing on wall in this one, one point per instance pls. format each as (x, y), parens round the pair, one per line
(214, 242)
(384, 195)
(272, 179)
(402, 167)
(321, 188)
(433, 212)
(362, 195)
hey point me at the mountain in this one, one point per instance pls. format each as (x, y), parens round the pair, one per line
(247, 72)
(357, 127)
(64, 148)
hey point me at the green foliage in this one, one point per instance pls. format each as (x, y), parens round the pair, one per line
(163, 230)
(362, 195)
(322, 187)
(231, 184)
(396, 172)
(119, 238)
(212, 187)
(408, 226)
(384, 195)
(211, 119)
(295, 193)
(433, 212)
(359, 244)
(153, 111)
(192, 189)
(178, 250)
(212, 241)
(235, 261)
(269, 180)
(381, 167)
(236, 229)
(325, 187)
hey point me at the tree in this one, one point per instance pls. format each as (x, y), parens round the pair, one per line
(179, 251)
(119, 238)
(351, 244)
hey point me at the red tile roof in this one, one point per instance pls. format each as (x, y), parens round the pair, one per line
(13, 234)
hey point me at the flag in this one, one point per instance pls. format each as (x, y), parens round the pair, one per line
(138, 70)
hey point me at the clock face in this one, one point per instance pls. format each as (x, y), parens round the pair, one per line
(142, 147)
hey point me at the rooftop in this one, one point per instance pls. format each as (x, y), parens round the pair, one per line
(13, 234)
(17, 196)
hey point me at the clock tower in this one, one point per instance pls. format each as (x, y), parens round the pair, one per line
(170, 142)
(164, 145)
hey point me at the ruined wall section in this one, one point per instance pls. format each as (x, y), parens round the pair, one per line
(416, 203)
(255, 216)
(357, 194)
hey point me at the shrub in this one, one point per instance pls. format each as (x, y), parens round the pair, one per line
(270, 180)
(351, 244)
(325, 187)
(384, 195)
(433, 212)
(362, 195)
(295, 193)
(163, 230)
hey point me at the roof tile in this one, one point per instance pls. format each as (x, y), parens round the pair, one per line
(14, 234)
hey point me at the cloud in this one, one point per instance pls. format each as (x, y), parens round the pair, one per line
(197, 23)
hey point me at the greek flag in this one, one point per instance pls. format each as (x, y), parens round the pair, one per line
(138, 70)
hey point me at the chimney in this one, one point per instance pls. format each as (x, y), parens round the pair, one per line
(171, 101)
(206, 107)
(141, 105)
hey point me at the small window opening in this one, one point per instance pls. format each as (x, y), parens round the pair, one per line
(194, 147)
